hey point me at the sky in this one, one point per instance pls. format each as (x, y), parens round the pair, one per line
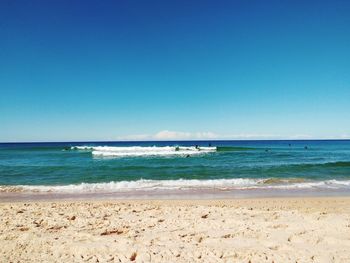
(141, 70)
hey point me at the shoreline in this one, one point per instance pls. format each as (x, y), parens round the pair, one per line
(194, 194)
(297, 229)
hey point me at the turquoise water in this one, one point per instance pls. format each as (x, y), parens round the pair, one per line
(125, 166)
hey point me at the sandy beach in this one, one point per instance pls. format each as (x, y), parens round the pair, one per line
(236, 230)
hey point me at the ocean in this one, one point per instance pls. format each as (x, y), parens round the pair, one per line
(175, 168)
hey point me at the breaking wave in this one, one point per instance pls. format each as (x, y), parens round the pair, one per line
(183, 184)
(144, 151)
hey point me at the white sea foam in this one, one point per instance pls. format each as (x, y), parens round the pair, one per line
(180, 184)
(145, 185)
(328, 184)
(145, 151)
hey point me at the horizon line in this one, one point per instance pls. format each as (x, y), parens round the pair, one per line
(195, 140)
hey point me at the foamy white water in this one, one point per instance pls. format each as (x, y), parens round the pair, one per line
(147, 185)
(145, 151)
(328, 184)
(180, 184)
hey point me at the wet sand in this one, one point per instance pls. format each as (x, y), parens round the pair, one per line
(232, 230)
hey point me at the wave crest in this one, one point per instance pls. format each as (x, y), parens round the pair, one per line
(182, 184)
(144, 151)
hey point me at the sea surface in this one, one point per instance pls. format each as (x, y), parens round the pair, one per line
(174, 168)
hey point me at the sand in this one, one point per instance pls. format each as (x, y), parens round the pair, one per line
(241, 230)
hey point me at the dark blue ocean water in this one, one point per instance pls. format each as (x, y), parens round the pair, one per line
(227, 164)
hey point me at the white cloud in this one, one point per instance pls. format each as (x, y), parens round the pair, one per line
(257, 136)
(166, 135)
(176, 135)
(250, 136)
(135, 137)
(345, 136)
(300, 137)
(171, 135)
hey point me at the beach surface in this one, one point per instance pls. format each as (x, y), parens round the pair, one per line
(236, 230)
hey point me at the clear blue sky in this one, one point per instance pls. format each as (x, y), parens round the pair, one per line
(101, 70)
